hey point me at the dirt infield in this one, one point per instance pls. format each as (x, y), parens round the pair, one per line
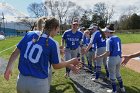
(129, 49)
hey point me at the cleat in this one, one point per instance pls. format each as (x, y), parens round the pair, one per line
(110, 91)
(122, 90)
(94, 79)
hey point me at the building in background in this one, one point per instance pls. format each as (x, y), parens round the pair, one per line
(9, 21)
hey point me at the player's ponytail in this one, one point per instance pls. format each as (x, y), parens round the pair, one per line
(40, 23)
(111, 27)
(39, 26)
(102, 33)
(50, 24)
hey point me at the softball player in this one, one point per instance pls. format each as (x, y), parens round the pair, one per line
(113, 50)
(91, 51)
(40, 26)
(38, 51)
(98, 38)
(71, 40)
(82, 29)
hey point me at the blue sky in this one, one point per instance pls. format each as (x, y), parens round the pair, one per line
(120, 6)
(21, 5)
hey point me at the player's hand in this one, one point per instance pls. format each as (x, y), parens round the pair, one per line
(125, 60)
(96, 57)
(75, 69)
(83, 51)
(7, 74)
(62, 50)
(76, 62)
(61, 47)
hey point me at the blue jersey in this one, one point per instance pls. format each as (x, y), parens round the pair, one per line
(114, 46)
(35, 57)
(97, 39)
(72, 40)
(86, 42)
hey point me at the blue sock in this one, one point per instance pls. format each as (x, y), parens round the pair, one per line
(98, 71)
(120, 82)
(97, 74)
(90, 66)
(114, 87)
(94, 68)
(113, 83)
(107, 73)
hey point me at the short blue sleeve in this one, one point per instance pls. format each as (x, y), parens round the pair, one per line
(84, 40)
(22, 42)
(64, 35)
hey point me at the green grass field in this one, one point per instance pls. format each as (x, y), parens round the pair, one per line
(59, 83)
(129, 38)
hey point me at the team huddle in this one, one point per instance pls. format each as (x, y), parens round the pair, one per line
(99, 47)
(39, 52)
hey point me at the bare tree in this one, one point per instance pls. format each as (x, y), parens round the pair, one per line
(132, 10)
(28, 22)
(110, 13)
(59, 8)
(51, 5)
(75, 12)
(37, 10)
(104, 11)
(123, 21)
(62, 8)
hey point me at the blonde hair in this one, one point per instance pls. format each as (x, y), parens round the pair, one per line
(40, 23)
(86, 32)
(50, 24)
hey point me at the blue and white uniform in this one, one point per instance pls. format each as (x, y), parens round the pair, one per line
(90, 53)
(83, 46)
(35, 61)
(114, 60)
(72, 44)
(97, 39)
(72, 40)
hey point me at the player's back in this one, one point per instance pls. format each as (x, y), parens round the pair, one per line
(98, 40)
(115, 46)
(36, 54)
